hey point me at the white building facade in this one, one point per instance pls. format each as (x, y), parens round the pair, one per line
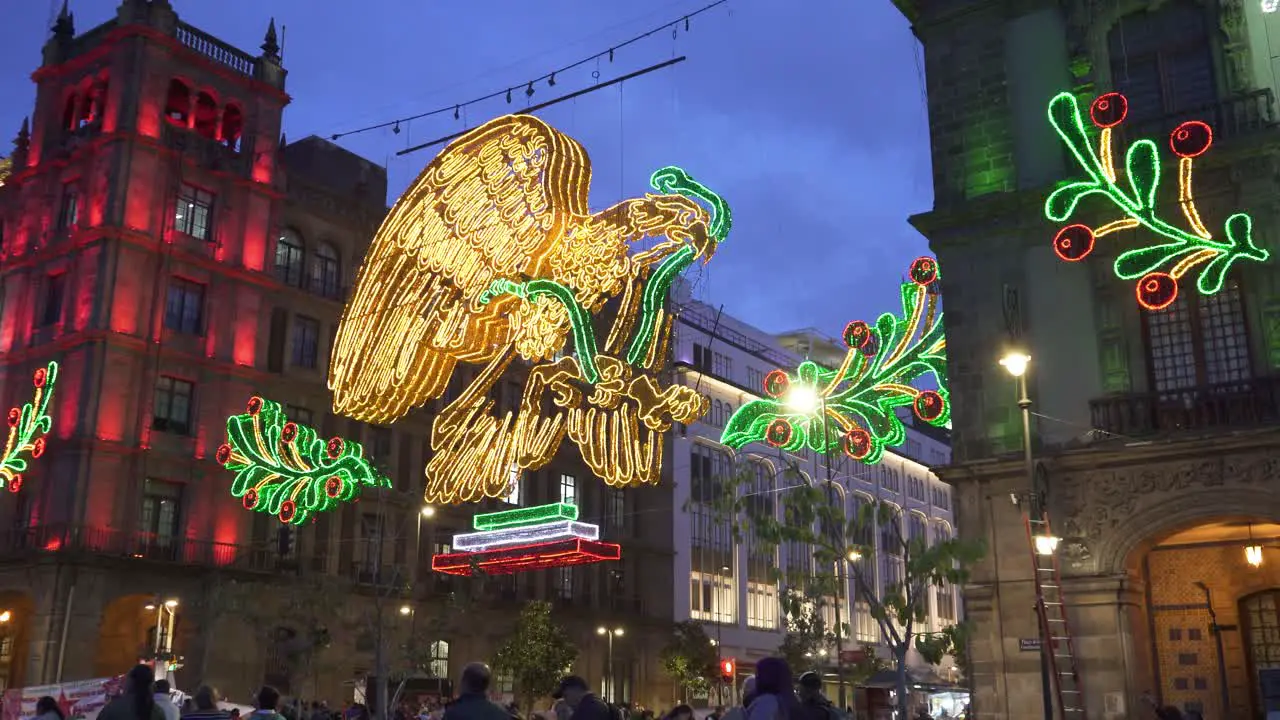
(728, 585)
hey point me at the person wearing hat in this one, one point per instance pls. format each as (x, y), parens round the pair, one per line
(813, 704)
(586, 706)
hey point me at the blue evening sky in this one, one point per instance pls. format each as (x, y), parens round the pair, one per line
(809, 117)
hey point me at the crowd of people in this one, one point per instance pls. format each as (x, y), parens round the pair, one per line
(770, 694)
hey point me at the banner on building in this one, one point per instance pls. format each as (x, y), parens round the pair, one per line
(82, 699)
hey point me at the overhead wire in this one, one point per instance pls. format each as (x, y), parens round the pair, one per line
(548, 77)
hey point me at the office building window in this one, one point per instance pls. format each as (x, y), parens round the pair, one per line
(158, 518)
(173, 400)
(722, 366)
(710, 597)
(701, 358)
(568, 489)
(762, 605)
(1162, 60)
(55, 292)
(755, 379)
(324, 271)
(865, 627)
(184, 306)
(946, 600)
(1198, 341)
(617, 508)
(306, 341)
(193, 213)
(289, 258)
(564, 583)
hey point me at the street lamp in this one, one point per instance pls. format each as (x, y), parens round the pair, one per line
(405, 610)
(806, 400)
(427, 512)
(5, 616)
(611, 634)
(1016, 362)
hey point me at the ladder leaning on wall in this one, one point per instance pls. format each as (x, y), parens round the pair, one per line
(1055, 629)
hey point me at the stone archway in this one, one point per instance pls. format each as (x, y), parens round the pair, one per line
(1191, 627)
(127, 634)
(17, 617)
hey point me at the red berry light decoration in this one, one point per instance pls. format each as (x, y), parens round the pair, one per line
(924, 271)
(856, 444)
(1109, 110)
(281, 467)
(857, 334)
(29, 427)
(1157, 291)
(779, 433)
(1191, 139)
(929, 406)
(776, 383)
(1074, 242)
(1169, 251)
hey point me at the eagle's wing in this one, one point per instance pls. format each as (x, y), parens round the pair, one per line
(491, 205)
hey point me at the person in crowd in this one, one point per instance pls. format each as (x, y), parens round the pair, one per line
(205, 706)
(739, 712)
(47, 709)
(679, 712)
(578, 696)
(265, 704)
(813, 704)
(473, 700)
(138, 701)
(164, 699)
(235, 713)
(775, 697)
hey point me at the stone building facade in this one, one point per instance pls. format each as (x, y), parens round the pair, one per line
(165, 244)
(1150, 427)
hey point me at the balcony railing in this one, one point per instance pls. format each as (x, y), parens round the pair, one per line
(1231, 118)
(63, 538)
(1226, 405)
(215, 49)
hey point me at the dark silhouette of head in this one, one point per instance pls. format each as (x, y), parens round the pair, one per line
(810, 685)
(572, 689)
(206, 698)
(138, 686)
(268, 698)
(773, 677)
(475, 678)
(162, 687)
(47, 704)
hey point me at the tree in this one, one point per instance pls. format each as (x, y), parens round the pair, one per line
(536, 654)
(843, 545)
(689, 658)
(807, 630)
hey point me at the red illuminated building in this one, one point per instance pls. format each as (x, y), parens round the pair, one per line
(165, 245)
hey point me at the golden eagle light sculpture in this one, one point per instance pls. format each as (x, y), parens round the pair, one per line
(492, 255)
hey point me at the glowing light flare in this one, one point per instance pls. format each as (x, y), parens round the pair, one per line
(1253, 555)
(860, 397)
(521, 558)
(285, 469)
(1157, 267)
(29, 427)
(1046, 544)
(492, 254)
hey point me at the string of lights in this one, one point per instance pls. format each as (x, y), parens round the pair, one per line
(549, 77)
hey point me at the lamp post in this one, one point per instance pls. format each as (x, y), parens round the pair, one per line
(610, 633)
(1016, 364)
(806, 400)
(1217, 641)
(427, 512)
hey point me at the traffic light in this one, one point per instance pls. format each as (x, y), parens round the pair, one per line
(727, 667)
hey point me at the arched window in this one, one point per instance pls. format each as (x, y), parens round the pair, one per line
(1162, 60)
(289, 258)
(96, 102)
(177, 105)
(206, 116)
(324, 271)
(232, 126)
(439, 665)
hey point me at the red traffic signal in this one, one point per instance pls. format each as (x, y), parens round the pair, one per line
(726, 669)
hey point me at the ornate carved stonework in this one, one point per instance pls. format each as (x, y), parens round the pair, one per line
(1112, 508)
